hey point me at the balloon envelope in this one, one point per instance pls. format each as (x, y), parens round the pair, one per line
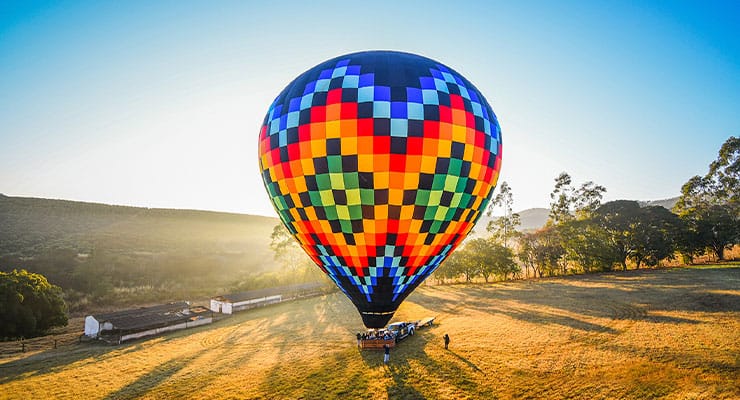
(379, 163)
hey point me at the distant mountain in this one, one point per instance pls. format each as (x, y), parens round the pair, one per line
(667, 203)
(535, 218)
(531, 219)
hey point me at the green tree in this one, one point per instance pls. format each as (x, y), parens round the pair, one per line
(468, 261)
(525, 254)
(482, 257)
(715, 228)
(641, 234)
(587, 245)
(504, 228)
(570, 206)
(29, 304)
(287, 251)
(710, 205)
(619, 219)
(569, 203)
(724, 174)
(298, 265)
(451, 268)
(656, 236)
(562, 199)
(502, 261)
(542, 250)
(475, 257)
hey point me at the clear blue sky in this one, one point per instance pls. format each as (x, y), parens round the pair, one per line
(159, 103)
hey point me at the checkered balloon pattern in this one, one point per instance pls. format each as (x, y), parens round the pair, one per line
(379, 163)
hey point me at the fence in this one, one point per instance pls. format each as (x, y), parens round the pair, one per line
(39, 343)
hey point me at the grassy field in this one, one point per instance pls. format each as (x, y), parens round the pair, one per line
(672, 333)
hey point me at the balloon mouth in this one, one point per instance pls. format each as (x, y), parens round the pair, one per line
(376, 320)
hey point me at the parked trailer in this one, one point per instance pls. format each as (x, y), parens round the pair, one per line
(428, 321)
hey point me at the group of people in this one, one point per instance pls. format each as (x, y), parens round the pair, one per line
(386, 348)
(372, 335)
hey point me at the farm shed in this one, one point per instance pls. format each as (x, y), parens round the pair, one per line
(231, 303)
(136, 323)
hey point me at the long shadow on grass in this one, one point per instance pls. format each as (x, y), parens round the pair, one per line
(402, 388)
(416, 374)
(312, 346)
(680, 289)
(331, 373)
(311, 324)
(150, 380)
(698, 359)
(51, 361)
(481, 302)
(630, 295)
(54, 360)
(466, 361)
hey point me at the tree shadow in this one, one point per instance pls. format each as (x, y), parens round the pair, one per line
(481, 300)
(415, 373)
(631, 295)
(54, 360)
(682, 359)
(158, 375)
(324, 376)
(399, 368)
(402, 388)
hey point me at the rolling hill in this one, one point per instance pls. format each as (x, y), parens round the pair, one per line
(28, 226)
(106, 256)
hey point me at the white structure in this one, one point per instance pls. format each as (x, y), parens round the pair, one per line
(135, 323)
(93, 326)
(229, 304)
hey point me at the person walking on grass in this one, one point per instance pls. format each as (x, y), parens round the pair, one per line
(447, 340)
(387, 355)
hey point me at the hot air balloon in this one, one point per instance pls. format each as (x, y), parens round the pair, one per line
(379, 163)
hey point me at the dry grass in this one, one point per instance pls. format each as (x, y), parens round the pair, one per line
(671, 333)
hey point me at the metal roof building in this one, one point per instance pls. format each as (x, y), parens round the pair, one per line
(230, 303)
(139, 322)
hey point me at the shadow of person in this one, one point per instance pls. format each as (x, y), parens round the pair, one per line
(467, 362)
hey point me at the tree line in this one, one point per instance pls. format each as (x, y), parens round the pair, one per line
(584, 235)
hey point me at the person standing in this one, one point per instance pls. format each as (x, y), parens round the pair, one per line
(387, 355)
(359, 337)
(447, 340)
